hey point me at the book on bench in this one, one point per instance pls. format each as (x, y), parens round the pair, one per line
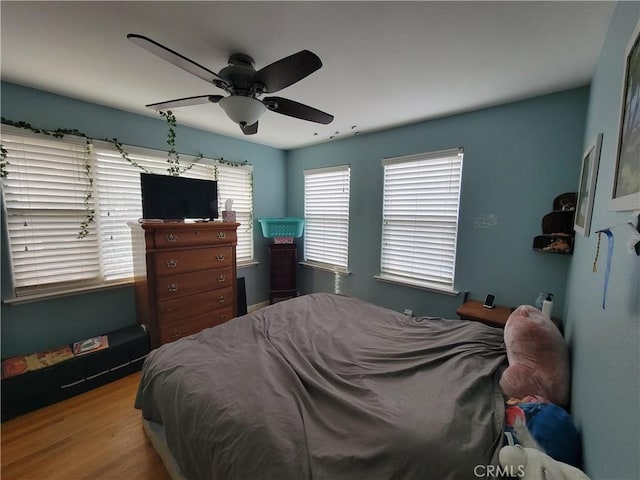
(92, 344)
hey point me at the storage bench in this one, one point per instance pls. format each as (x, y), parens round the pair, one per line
(29, 391)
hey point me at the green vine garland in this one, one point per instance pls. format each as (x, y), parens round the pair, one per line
(3, 162)
(173, 159)
(125, 155)
(90, 213)
(86, 167)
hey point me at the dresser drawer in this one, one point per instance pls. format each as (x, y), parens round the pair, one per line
(181, 261)
(173, 286)
(180, 237)
(187, 326)
(176, 308)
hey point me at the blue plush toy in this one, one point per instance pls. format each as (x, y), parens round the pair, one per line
(550, 426)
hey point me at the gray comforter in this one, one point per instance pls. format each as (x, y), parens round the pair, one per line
(329, 387)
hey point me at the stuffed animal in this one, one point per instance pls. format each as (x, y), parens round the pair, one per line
(538, 357)
(532, 464)
(536, 423)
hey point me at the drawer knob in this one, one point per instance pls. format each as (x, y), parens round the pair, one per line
(171, 263)
(221, 299)
(220, 257)
(172, 237)
(172, 287)
(175, 333)
(222, 235)
(223, 317)
(220, 278)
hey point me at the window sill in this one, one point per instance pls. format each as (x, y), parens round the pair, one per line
(249, 264)
(417, 284)
(37, 297)
(326, 268)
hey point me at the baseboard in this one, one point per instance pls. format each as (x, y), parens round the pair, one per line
(257, 306)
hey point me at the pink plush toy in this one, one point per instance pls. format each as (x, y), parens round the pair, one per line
(538, 357)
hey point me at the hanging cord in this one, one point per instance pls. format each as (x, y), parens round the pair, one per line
(595, 260)
(607, 272)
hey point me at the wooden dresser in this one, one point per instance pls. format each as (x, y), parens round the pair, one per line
(185, 277)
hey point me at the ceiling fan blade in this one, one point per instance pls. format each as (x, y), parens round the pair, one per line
(249, 129)
(288, 70)
(297, 110)
(185, 102)
(175, 58)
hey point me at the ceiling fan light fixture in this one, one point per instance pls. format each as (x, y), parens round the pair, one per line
(244, 84)
(242, 110)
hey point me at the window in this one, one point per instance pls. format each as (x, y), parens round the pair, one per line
(119, 200)
(420, 219)
(236, 183)
(117, 190)
(326, 213)
(44, 197)
(45, 194)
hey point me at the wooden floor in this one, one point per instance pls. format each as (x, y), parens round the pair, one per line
(96, 435)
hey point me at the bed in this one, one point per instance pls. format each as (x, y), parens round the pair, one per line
(327, 387)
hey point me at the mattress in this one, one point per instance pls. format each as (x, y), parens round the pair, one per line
(155, 433)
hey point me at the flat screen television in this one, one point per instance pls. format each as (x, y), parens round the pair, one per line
(165, 197)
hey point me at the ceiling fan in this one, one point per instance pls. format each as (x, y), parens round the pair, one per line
(244, 84)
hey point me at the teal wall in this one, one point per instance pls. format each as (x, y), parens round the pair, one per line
(517, 158)
(605, 343)
(35, 326)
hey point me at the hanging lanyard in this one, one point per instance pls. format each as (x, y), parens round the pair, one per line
(609, 235)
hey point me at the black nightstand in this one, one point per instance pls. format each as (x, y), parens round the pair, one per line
(283, 259)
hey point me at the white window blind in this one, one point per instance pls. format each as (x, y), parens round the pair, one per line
(236, 183)
(118, 195)
(45, 200)
(120, 201)
(45, 193)
(420, 218)
(326, 213)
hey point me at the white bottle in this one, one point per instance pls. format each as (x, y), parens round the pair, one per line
(540, 300)
(547, 305)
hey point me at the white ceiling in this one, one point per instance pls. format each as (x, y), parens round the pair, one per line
(384, 63)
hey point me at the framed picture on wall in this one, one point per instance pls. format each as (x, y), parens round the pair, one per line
(626, 182)
(587, 187)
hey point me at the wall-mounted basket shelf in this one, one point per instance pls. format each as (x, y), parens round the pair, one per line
(557, 227)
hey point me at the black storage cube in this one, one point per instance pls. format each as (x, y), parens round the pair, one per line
(127, 349)
(70, 378)
(97, 368)
(27, 392)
